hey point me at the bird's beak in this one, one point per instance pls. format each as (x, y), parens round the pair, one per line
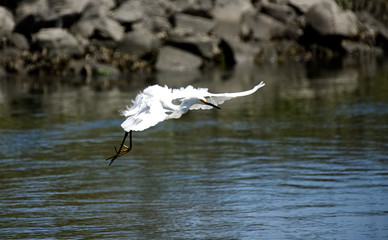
(210, 104)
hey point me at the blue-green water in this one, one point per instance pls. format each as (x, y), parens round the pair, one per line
(306, 157)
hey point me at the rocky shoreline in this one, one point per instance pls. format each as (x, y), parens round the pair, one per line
(112, 37)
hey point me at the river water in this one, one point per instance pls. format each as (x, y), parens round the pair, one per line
(306, 157)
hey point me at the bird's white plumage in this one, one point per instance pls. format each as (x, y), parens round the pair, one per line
(156, 104)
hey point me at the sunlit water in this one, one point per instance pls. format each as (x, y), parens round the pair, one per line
(306, 157)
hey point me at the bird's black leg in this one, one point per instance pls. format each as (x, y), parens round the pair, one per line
(130, 139)
(122, 143)
(119, 153)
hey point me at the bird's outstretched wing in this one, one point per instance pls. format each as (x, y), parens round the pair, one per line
(219, 98)
(147, 117)
(145, 111)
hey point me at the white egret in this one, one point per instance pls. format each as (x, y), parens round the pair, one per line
(156, 104)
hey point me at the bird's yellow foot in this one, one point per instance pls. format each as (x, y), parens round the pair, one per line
(123, 151)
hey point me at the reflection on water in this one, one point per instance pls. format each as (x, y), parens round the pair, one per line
(304, 158)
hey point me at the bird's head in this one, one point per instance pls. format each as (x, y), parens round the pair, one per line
(203, 100)
(195, 102)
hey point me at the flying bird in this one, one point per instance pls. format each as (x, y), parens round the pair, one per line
(156, 104)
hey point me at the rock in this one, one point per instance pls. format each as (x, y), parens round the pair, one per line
(58, 41)
(194, 23)
(174, 59)
(150, 8)
(240, 52)
(139, 42)
(302, 5)
(193, 7)
(327, 18)
(145, 14)
(156, 17)
(225, 30)
(129, 12)
(373, 32)
(156, 24)
(230, 10)
(34, 15)
(32, 7)
(98, 8)
(100, 28)
(7, 22)
(262, 27)
(233, 50)
(34, 22)
(19, 41)
(197, 43)
(197, 33)
(69, 7)
(95, 22)
(283, 13)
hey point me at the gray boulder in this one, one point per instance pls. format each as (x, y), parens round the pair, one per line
(241, 52)
(68, 7)
(100, 28)
(34, 22)
(139, 42)
(174, 59)
(327, 18)
(194, 7)
(32, 7)
(19, 41)
(373, 32)
(230, 10)
(57, 41)
(148, 14)
(156, 24)
(95, 22)
(7, 22)
(281, 12)
(98, 8)
(195, 42)
(262, 27)
(194, 23)
(129, 12)
(302, 5)
(31, 16)
(148, 8)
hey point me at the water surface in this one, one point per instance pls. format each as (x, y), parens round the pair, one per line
(304, 158)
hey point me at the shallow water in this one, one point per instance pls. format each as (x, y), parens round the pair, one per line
(304, 158)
